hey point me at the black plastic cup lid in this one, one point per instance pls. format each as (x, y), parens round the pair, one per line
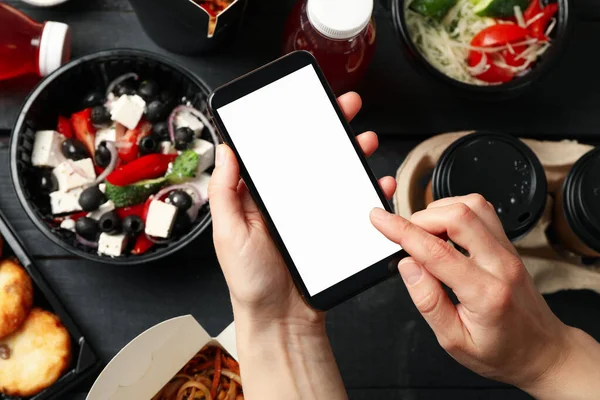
(503, 170)
(581, 199)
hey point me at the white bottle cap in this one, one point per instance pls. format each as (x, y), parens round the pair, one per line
(339, 19)
(55, 47)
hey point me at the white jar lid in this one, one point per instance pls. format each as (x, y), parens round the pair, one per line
(55, 47)
(339, 19)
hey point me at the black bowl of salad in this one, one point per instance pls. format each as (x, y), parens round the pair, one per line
(483, 47)
(111, 156)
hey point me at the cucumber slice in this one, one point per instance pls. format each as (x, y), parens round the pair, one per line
(498, 8)
(434, 9)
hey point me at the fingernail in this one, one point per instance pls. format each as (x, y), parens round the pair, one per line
(220, 155)
(411, 272)
(379, 213)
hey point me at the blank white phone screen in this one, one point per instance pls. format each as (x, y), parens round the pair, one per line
(309, 177)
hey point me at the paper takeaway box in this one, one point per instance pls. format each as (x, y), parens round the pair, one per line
(141, 369)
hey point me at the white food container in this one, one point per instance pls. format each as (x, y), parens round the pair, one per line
(141, 369)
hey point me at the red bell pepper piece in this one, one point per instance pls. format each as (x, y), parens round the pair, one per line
(83, 130)
(138, 210)
(74, 217)
(492, 36)
(535, 7)
(146, 208)
(499, 35)
(538, 27)
(127, 140)
(64, 127)
(513, 59)
(142, 245)
(146, 167)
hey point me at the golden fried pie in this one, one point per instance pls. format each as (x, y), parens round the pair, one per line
(34, 356)
(16, 296)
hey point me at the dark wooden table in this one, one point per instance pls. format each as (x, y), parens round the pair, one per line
(384, 348)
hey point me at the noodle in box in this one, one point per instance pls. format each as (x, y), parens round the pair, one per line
(174, 360)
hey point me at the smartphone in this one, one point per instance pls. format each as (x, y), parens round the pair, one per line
(305, 170)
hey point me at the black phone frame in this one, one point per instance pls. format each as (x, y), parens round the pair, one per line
(262, 77)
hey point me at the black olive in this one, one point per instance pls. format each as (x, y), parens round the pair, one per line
(74, 150)
(87, 228)
(180, 199)
(110, 223)
(148, 90)
(93, 99)
(168, 99)
(183, 137)
(124, 88)
(100, 115)
(148, 144)
(182, 224)
(48, 183)
(133, 225)
(161, 130)
(91, 198)
(103, 155)
(155, 111)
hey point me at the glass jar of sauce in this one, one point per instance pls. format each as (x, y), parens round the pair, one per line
(339, 33)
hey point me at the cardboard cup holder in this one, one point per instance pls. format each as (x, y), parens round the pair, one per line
(551, 265)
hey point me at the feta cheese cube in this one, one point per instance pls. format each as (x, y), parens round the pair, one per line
(103, 209)
(46, 149)
(206, 151)
(112, 245)
(128, 110)
(68, 224)
(65, 202)
(105, 134)
(188, 120)
(102, 187)
(161, 217)
(73, 174)
(167, 147)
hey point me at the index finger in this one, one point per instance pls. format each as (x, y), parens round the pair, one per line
(350, 103)
(435, 254)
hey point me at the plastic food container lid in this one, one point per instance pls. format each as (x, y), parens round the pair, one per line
(339, 19)
(502, 169)
(581, 199)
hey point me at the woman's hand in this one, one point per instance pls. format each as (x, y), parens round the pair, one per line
(502, 328)
(283, 347)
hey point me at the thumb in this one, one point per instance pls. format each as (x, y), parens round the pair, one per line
(433, 303)
(225, 204)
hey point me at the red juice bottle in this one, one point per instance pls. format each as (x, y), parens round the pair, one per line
(339, 33)
(27, 47)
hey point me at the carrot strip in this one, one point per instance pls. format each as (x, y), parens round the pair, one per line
(217, 376)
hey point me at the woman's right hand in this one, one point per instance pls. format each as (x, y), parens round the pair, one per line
(502, 329)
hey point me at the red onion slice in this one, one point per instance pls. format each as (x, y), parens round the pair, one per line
(159, 241)
(120, 79)
(198, 200)
(114, 157)
(195, 113)
(85, 242)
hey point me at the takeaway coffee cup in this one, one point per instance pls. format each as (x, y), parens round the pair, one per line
(182, 26)
(577, 207)
(499, 167)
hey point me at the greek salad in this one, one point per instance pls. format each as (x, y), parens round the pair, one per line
(481, 42)
(129, 171)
